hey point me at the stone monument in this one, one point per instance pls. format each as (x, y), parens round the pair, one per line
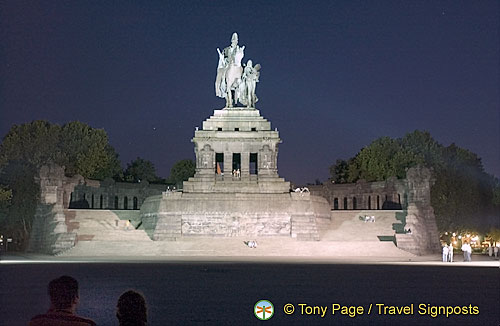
(49, 233)
(236, 190)
(421, 233)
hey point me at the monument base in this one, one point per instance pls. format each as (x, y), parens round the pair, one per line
(177, 214)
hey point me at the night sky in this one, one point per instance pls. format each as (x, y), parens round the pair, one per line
(335, 75)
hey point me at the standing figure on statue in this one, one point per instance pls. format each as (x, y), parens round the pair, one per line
(251, 78)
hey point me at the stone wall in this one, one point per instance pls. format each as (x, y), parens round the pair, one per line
(109, 194)
(52, 229)
(422, 235)
(418, 232)
(175, 214)
(49, 232)
(390, 194)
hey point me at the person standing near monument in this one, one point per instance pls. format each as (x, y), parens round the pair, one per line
(445, 253)
(64, 298)
(450, 252)
(467, 249)
(464, 250)
(469, 252)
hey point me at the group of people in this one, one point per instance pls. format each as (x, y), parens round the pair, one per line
(492, 250)
(237, 173)
(251, 244)
(448, 253)
(131, 309)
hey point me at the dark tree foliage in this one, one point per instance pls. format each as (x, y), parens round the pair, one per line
(140, 170)
(16, 216)
(181, 171)
(80, 148)
(340, 171)
(34, 143)
(86, 151)
(464, 197)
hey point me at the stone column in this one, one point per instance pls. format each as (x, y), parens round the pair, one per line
(228, 164)
(245, 166)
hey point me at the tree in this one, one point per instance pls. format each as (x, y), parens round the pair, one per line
(463, 196)
(86, 151)
(77, 146)
(35, 143)
(340, 171)
(27, 147)
(17, 217)
(181, 171)
(140, 169)
(382, 159)
(494, 234)
(5, 196)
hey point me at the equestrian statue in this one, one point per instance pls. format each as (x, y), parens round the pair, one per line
(234, 82)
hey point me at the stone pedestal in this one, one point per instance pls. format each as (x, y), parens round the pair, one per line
(240, 131)
(228, 205)
(177, 214)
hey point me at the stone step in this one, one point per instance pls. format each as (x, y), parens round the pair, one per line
(236, 247)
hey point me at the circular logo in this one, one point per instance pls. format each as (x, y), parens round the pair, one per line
(263, 310)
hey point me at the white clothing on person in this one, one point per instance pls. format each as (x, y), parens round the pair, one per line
(445, 253)
(467, 249)
(450, 253)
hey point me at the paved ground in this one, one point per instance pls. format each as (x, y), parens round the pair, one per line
(224, 290)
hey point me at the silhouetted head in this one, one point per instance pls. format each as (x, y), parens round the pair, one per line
(63, 292)
(131, 309)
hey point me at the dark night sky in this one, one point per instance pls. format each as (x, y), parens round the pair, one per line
(335, 74)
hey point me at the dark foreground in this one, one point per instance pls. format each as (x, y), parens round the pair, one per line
(225, 293)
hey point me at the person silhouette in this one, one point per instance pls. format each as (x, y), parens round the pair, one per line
(131, 309)
(64, 298)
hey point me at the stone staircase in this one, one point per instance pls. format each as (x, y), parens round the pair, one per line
(104, 233)
(347, 226)
(168, 228)
(304, 227)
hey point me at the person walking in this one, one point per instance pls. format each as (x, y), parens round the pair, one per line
(465, 251)
(496, 251)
